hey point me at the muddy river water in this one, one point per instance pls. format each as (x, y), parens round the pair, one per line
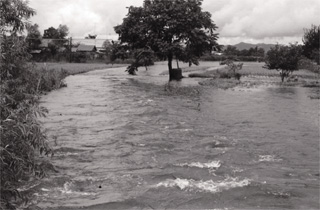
(125, 142)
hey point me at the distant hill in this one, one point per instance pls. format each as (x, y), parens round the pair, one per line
(247, 46)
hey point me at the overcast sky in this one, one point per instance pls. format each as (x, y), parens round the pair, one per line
(252, 21)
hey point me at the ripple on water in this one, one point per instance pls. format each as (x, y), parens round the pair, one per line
(268, 158)
(209, 165)
(204, 186)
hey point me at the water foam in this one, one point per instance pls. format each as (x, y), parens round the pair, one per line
(67, 189)
(268, 158)
(209, 165)
(204, 186)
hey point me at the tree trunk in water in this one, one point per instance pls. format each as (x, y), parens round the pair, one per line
(174, 74)
(282, 76)
(170, 63)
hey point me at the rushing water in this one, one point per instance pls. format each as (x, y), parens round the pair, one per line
(132, 142)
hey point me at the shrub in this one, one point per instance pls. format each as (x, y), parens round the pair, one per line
(237, 76)
(225, 75)
(305, 63)
(22, 138)
(78, 57)
(284, 59)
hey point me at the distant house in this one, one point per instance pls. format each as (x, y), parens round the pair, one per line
(90, 51)
(74, 49)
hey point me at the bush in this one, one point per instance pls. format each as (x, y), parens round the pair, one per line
(305, 63)
(284, 59)
(237, 76)
(22, 137)
(225, 75)
(78, 57)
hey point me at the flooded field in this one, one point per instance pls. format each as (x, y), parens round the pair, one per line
(125, 141)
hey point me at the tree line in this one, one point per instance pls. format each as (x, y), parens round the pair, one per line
(180, 30)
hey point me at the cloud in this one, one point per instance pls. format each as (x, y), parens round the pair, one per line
(265, 20)
(253, 21)
(81, 16)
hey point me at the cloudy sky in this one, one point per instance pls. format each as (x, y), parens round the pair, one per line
(252, 21)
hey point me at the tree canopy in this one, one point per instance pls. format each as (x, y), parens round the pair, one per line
(14, 15)
(177, 28)
(33, 36)
(311, 40)
(60, 33)
(283, 58)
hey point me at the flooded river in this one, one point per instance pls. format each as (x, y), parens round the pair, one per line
(125, 141)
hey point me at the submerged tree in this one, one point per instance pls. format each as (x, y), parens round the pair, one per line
(142, 57)
(284, 59)
(177, 28)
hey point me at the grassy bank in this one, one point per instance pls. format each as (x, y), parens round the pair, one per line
(76, 68)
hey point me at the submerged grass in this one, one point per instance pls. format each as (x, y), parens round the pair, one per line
(256, 75)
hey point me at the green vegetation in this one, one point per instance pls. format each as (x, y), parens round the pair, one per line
(311, 47)
(252, 54)
(284, 59)
(23, 141)
(176, 28)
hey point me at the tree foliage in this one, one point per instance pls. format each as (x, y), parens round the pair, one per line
(14, 15)
(58, 37)
(311, 45)
(107, 46)
(177, 28)
(119, 51)
(142, 57)
(60, 33)
(22, 138)
(33, 36)
(284, 59)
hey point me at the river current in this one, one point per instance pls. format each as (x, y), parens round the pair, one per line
(135, 142)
